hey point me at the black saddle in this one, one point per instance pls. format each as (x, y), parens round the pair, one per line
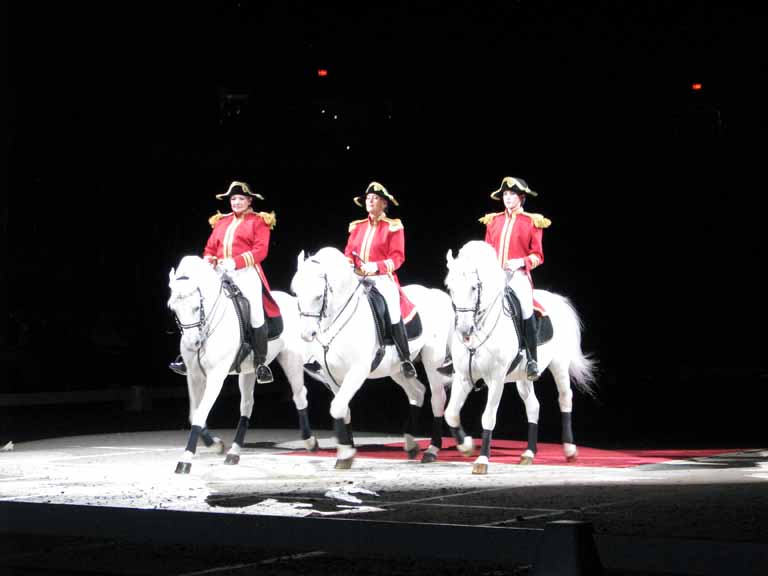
(413, 328)
(243, 310)
(544, 329)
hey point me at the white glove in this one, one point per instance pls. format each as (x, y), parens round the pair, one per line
(228, 264)
(514, 263)
(370, 268)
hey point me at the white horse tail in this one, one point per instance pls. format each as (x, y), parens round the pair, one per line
(582, 368)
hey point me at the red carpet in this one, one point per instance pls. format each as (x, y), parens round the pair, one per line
(508, 452)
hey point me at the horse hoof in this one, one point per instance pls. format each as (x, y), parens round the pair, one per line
(412, 453)
(345, 464)
(183, 467)
(311, 444)
(526, 460)
(232, 459)
(480, 469)
(428, 458)
(572, 458)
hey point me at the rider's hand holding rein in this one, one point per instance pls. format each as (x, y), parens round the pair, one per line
(369, 267)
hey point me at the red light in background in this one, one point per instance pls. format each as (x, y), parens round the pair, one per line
(696, 86)
(322, 72)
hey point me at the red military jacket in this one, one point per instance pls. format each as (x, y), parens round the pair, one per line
(517, 235)
(245, 239)
(381, 241)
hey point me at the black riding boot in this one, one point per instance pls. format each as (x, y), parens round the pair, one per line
(259, 344)
(178, 366)
(401, 343)
(529, 335)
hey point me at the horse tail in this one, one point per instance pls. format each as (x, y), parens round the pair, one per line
(582, 368)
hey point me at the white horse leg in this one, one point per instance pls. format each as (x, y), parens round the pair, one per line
(213, 386)
(415, 391)
(345, 450)
(292, 366)
(565, 400)
(459, 392)
(246, 383)
(488, 421)
(437, 383)
(528, 396)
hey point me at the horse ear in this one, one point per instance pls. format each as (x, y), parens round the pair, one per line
(300, 260)
(172, 274)
(449, 257)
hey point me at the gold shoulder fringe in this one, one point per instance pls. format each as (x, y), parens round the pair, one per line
(269, 219)
(354, 223)
(488, 217)
(213, 220)
(395, 224)
(539, 220)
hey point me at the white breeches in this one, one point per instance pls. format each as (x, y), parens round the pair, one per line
(249, 282)
(523, 289)
(388, 289)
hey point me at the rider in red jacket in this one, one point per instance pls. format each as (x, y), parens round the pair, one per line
(376, 248)
(517, 238)
(238, 244)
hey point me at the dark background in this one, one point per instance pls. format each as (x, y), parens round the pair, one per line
(125, 119)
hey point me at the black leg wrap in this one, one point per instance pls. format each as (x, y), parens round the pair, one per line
(206, 437)
(306, 429)
(412, 424)
(194, 435)
(533, 436)
(437, 432)
(458, 434)
(242, 428)
(343, 435)
(485, 449)
(565, 426)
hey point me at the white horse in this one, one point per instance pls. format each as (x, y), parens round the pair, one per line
(210, 340)
(486, 344)
(337, 320)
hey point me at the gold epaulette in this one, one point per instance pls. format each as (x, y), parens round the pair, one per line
(215, 218)
(394, 224)
(538, 220)
(354, 223)
(488, 217)
(269, 219)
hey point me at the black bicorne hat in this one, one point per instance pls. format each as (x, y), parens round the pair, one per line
(516, 185)
(375, 188)
(240, 188)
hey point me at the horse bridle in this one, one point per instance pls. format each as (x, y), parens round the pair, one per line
(323, 314)
(320, 315)
(477, 320)
(201, 323)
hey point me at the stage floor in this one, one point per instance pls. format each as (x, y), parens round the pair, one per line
(715, 497)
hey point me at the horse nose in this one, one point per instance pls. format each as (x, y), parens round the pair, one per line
(466, 332)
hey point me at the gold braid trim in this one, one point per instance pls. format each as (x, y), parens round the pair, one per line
(354, 224)
(269, 219)
(213, 220)
(488, 217)
(394, 224)
(539, 221)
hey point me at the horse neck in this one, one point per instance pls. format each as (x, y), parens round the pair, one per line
(343, 285)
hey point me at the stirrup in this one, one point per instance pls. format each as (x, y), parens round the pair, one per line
(532, 370)
(446, 369)
(313, 366)
(178, 366)
(409, 370)
(264, 374)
